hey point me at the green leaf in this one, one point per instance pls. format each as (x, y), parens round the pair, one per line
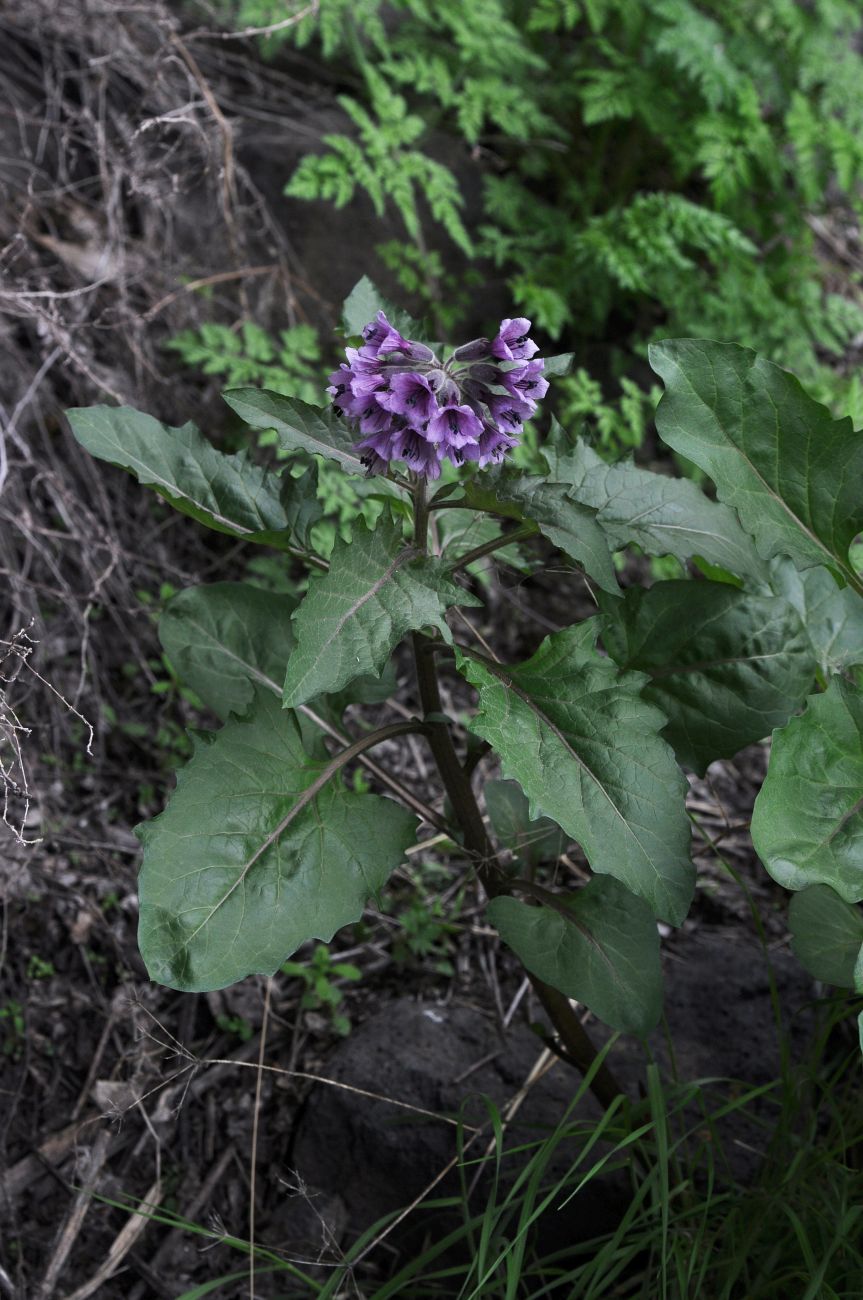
(807, 824)
(662, 515)
(376, 590)
(568, 525)
(558, 365)
(586, 750)
(826, 934)
(791, 471)
(226, 639)
(363, 304)
(228, 493)
(245, 865)
(461, 531)
(301, 505)
(832, 616)
(509, 813)
(299, 427)
(725, 667)
(599, 946)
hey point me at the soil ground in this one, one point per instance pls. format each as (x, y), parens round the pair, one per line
(143, 165)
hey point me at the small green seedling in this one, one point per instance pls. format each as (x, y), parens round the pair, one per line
(321, 993)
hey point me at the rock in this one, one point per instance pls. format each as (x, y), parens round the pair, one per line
(379, 1156)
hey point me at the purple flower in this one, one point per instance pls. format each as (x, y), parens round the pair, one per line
(512, 342)
(412, 407)
(526, 383)
(377, 332)
(373, 417)
(509, 413)
(363, 360)
(417, 453)
(410, 395)
(382, 339)
(493, 445)
(454, 426)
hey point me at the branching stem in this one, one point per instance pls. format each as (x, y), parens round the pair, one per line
(495, 544)
(573, 1036)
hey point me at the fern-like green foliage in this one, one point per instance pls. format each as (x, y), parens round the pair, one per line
(288, 364)
(381, 161)
(612, 423)
(649, 168)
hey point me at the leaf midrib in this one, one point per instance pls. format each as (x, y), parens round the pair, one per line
(151, 478)
(395, 564)
(497, 671)
(773, 493)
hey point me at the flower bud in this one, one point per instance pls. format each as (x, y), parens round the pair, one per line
(476, 350)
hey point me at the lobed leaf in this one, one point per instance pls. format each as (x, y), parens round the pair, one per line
(662, 515)
(568, 525)
(247, 862)
(599, 946)
(807, 824)
(585, 747)
(377, 589)
(230, 494)
(725, 667)
(790, 470)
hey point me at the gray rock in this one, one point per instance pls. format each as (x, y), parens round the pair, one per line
(379, 1156)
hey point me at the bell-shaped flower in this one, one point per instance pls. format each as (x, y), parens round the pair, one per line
(509, 413)
(373, 417)
(454, 426)
(417, 453)
(410, 395)
(527, 383)
(512, 342)
(493, 445)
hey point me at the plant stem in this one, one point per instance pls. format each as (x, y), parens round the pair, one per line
(517, 535)
(456, 781)
(386, 778)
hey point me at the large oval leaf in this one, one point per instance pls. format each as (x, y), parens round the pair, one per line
(831, 615)
(243, 865)
(725, 667)
(228, 493)
(586, 749)
(807, 824)
(599, 946)
(790, 470)
(376, 590)
(826, 934)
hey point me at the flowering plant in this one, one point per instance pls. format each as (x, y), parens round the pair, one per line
(413, 408)
(263, 846)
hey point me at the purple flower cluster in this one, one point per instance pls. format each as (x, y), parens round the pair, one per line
(412, 407)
